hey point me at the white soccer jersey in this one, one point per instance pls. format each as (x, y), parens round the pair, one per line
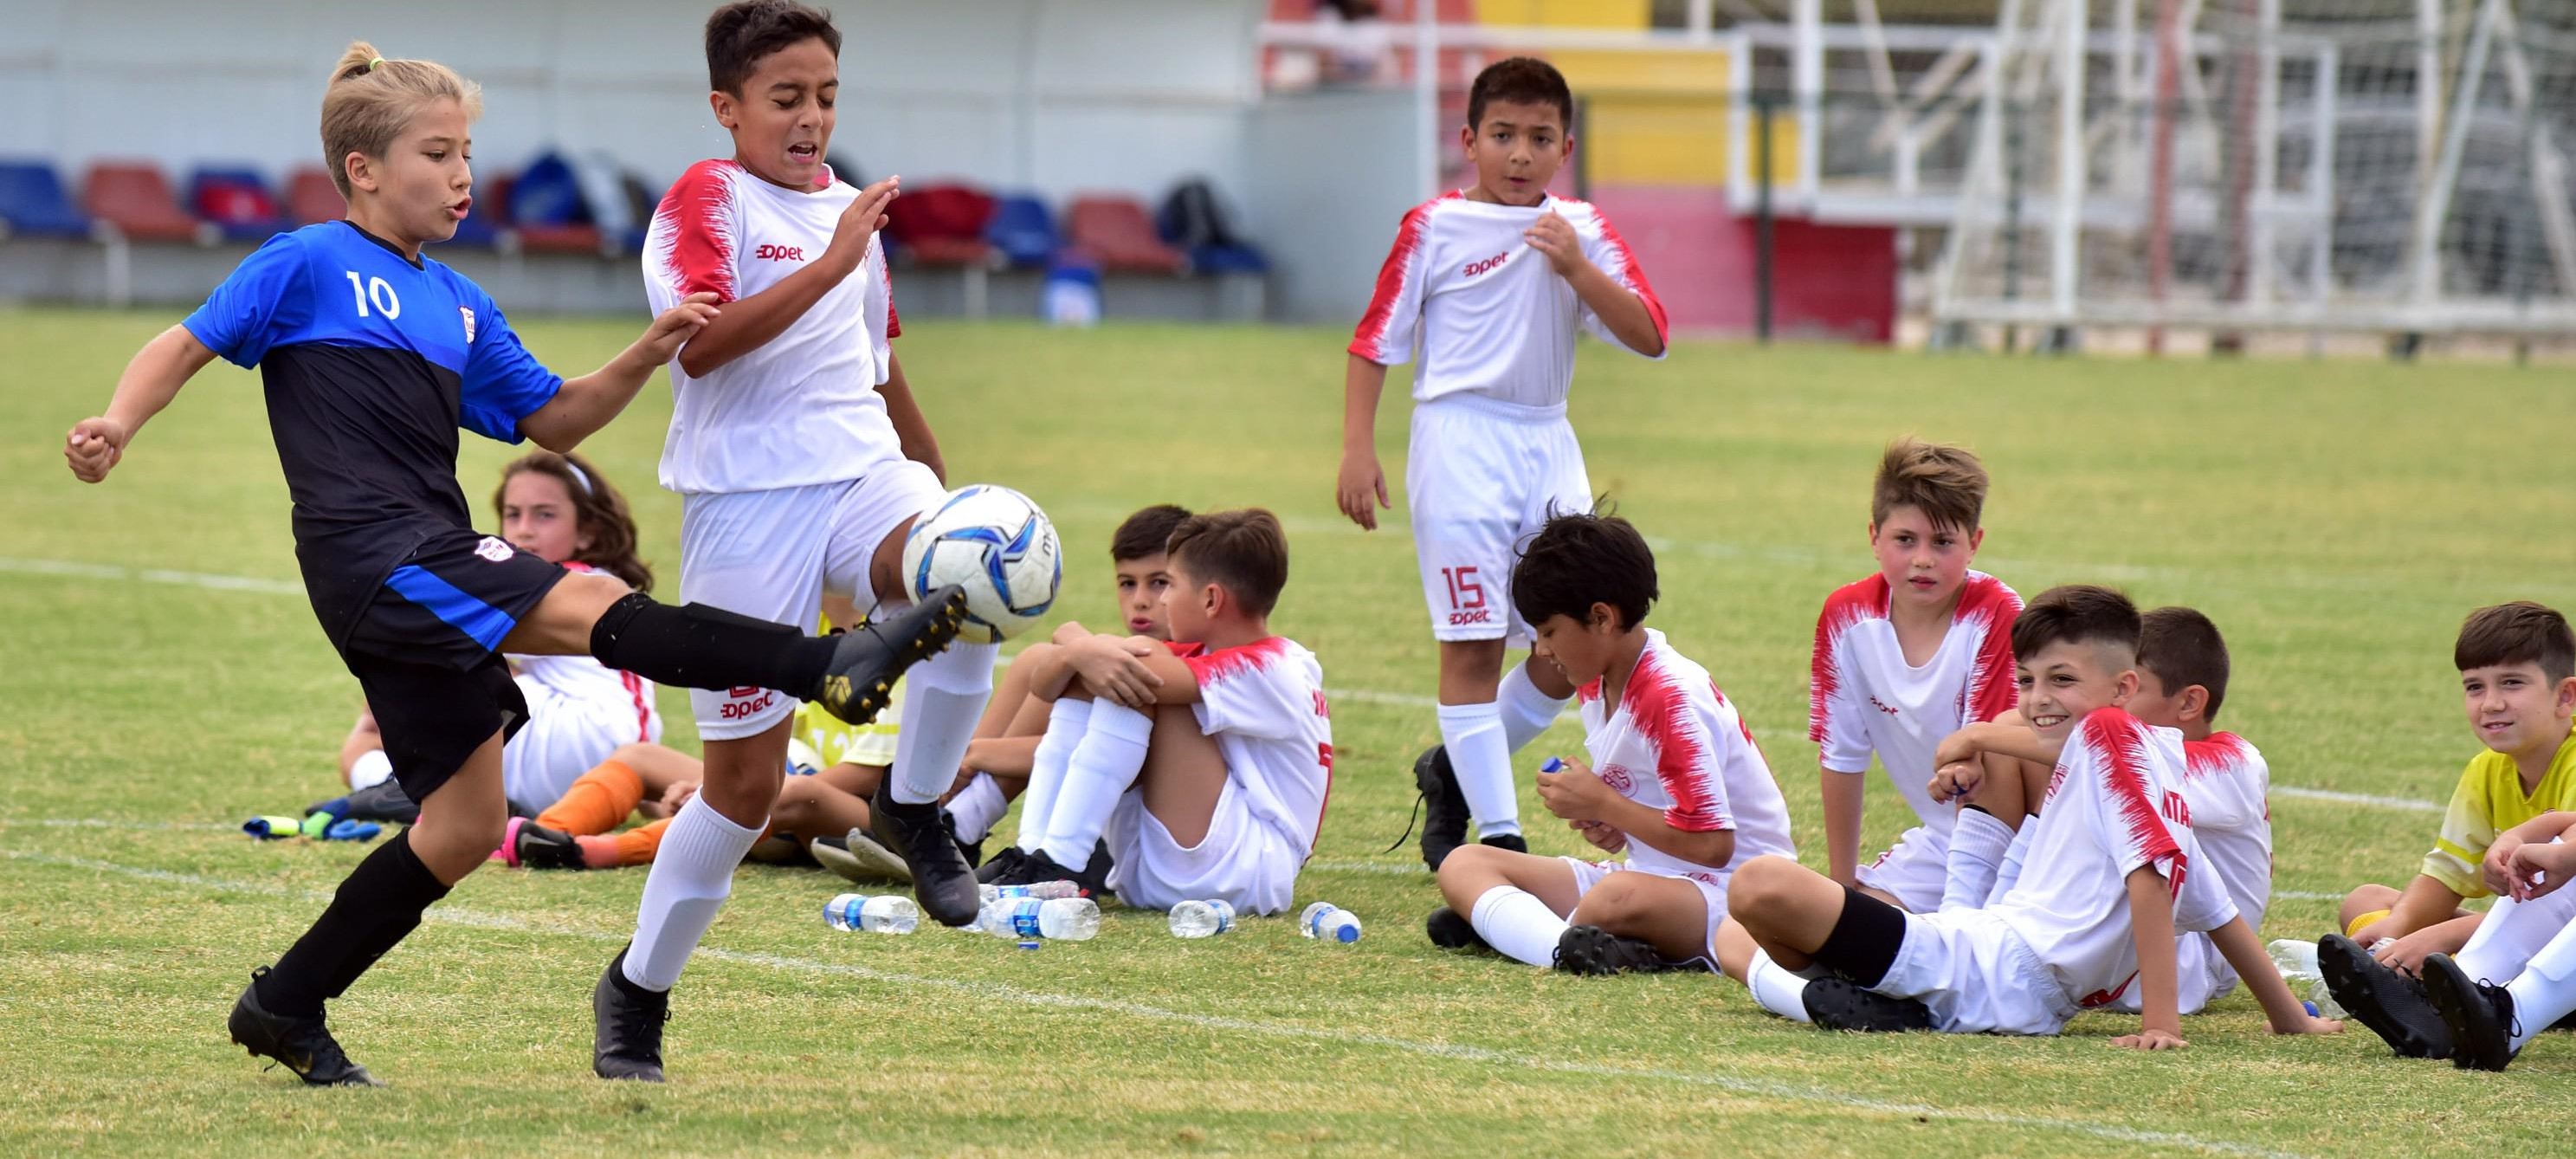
(1263, 703)
(605, 693)
(1673, 742)
(1487, 313)
(803, 407)
(1862, 697)
(2114, 804)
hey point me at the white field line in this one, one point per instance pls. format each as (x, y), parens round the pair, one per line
(1737, 1084)
(57, 567)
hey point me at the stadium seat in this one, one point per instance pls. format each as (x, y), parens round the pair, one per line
(942, 225)
(1118, 233)
(544, 203)
(236, 201)
(1022, 230)
(32, 202)
(136, 199)
(311, 198)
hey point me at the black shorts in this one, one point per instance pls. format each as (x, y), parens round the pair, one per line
(426, 649)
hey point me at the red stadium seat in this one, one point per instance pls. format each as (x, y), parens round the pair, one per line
(942, 225)
(311, 198)
(1118, 233)
(136, 199)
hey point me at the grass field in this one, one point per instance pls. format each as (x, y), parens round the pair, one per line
(162, 679)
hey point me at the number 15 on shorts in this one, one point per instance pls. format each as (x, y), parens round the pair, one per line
(1466, 597)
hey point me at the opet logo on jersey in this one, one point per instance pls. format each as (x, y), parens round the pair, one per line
(781, 253)
(1486, 266)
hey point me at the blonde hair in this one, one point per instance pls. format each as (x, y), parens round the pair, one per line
(371, 100)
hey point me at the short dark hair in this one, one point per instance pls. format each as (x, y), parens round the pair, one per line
(1947, 483)
(1522, 80)
(2520, 632)
(2183, 648)
(1146, 533)
(1245, 552)
(740, 34)
(1578, 560)
(2075, 614)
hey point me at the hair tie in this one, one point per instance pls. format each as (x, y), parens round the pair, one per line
(375, 64)
(578, 476)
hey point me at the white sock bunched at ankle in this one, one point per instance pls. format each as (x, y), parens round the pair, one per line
(1776, 989)
(1516, 923)
(691, 876)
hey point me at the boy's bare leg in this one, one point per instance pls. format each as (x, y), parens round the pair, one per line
(1516, 902)
(2369, 898)
(460, 824)
(1735, 948)
(362, 739)
(1667, 913)
(1787, 908)
(811, 807)
(1183, 776)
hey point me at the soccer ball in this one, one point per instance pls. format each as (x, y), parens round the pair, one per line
(996, 544)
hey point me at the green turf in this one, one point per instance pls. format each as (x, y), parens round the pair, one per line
(2335, 518)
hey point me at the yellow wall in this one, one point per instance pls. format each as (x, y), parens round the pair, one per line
(1565, 13)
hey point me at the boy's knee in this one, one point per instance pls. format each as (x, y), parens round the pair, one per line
(1617, 904)
(2367, 898)
(1759, 886)
(631, 754)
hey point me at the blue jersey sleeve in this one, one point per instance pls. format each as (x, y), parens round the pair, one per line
(267, 296)
(503, 382)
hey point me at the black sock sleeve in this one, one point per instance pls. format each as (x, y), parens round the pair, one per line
(1864, 940)
(696, 646)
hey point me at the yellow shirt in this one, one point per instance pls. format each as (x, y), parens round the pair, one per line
(2488, 802)
(836, 742)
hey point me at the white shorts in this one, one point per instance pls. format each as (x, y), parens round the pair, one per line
(1915, 870)
(1241, 860)
(563, 739)
(1482, 475)
(1976, 975)
(1711, 894)
(772, 555)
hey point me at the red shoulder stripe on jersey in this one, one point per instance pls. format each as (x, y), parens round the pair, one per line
(1633, 276)
(2223, 752)
(1403, 264)
(1863, 599)
(1209, 667)
(1658, 706)
(1990, 691)
(2120, 742)
(894, 321)
(696, 220)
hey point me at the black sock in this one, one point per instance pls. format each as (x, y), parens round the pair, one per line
(379, 903)
(696, 646)
(1864, 940)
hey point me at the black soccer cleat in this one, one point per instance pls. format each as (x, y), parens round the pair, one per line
(1004, 862)
(301, 1045)
(2391, 1004)
(1836, 1004)
(1450, 931)
(920, 834)
(1595, 952)
(534, 846)
(1444, 824)
(867, 660)
(382, 801)
(1506, 841)
(629, 1018)
(2479, 1015)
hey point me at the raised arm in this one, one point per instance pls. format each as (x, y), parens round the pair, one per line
(749, 323)
(152, 378)
(1622, 311)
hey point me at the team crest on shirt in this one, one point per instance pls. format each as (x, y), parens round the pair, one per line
(467, 312)
(1617, 778)
(493, 549)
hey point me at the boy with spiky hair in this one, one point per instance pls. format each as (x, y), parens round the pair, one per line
(1490, 283)
(2517, 665)
(1907, 657)
(1228, 743)
(2112, 874)
(1675, 780)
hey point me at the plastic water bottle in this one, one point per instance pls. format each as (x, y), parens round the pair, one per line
(1057, 919)
(889, 914)
(2297, 962)
(1325, 921)
(1043, 891)
(1202, 919)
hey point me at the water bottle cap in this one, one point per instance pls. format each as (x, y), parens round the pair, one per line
(1346, 933)
(1553, 765)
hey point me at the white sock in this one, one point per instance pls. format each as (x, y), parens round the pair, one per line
(943, 699)
(1526, 711)
(1776, 989)
(372, 768)
(2512, 932)
(2009, 874)
(1107, 761)
(2546, 991)
(976, 807)
(1482, 758)
(1515, 922)
(1066, 723)
(1978, 844)
(690, 877)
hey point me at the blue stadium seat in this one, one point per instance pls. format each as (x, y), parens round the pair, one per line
(1228, 259)
(33, 201)
(1023, 230)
